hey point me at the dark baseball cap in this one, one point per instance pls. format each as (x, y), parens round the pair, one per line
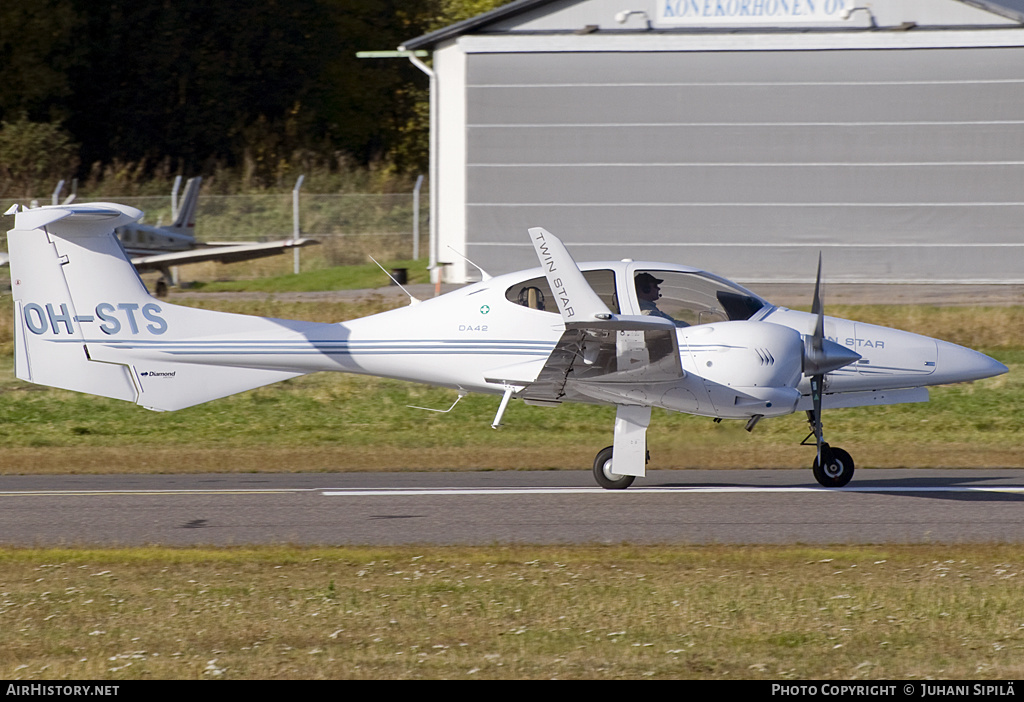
(646, 279)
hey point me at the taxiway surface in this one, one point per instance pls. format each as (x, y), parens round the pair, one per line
(557, 507)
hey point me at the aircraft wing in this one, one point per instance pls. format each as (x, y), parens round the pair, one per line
(602, 363)
(600, 355)
(220, 253)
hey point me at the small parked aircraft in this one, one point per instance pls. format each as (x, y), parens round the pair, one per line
(631, 334)
(159, 248)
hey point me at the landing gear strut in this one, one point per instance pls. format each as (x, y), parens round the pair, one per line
(630, 448)
(832, 467)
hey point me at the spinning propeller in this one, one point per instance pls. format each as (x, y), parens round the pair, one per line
(832, 466)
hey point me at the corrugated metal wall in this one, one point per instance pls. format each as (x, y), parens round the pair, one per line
(900, 165)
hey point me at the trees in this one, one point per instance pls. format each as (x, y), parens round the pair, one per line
(232, 82)
(33, 155)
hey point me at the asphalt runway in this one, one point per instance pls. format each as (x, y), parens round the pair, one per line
(537, 507)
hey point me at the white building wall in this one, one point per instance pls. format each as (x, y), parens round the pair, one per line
(901, 153)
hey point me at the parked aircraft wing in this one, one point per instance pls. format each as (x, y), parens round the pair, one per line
(221, 254)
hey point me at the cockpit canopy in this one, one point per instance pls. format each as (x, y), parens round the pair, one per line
(687, 297)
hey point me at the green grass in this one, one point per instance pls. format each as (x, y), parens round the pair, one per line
(513, 612)
(354, 277)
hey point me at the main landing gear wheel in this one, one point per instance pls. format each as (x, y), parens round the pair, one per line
(837, 469)
(604, 475)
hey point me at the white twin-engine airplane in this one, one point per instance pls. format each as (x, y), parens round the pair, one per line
(630, 334)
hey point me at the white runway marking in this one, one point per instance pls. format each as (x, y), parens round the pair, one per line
(464, 492)
(420, 492)
(116, 493)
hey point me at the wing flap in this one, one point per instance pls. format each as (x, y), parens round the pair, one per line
(865, 398)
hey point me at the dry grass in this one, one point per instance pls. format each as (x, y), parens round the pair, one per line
(974, 327)
(893, 612)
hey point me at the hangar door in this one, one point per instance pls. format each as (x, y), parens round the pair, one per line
(899, 165)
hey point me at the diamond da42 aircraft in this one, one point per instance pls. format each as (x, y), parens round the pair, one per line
(631, 334)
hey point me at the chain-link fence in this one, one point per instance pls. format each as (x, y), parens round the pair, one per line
(349, 227)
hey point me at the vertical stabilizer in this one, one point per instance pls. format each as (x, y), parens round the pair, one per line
(84, 320)
(50, 348)
(185, 222)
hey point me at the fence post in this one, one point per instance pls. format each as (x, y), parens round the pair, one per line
(295, 219)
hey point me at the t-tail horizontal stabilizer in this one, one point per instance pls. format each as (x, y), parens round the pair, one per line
(84, 321)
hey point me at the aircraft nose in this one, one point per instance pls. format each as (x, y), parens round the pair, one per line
(957, 364)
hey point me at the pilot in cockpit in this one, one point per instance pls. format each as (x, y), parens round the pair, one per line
(531, 297)
(648, 290)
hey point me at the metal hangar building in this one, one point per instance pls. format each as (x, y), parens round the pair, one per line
(739, 136)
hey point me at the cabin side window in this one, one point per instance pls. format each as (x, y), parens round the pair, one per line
(536, 294)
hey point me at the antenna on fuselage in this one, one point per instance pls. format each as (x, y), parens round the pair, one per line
(412, 299)
(485, 276)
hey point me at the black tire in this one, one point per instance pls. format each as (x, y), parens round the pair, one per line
(603, 474)
(161, 288)
(838, 468)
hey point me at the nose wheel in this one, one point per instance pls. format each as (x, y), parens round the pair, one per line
(834, 469)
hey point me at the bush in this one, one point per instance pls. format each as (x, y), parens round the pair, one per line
(34, 154)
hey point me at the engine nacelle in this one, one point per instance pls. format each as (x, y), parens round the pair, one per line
(749, 368)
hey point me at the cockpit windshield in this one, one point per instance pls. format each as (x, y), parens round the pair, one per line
(692, 298)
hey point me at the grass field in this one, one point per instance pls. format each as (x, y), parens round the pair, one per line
(608, 612)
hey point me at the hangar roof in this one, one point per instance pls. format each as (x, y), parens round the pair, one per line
(1012, 10)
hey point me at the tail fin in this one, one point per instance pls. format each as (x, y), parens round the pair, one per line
(84, 320)
(185, 222)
